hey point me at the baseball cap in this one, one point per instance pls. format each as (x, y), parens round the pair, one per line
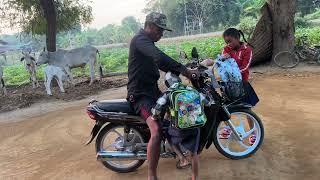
(158, 19)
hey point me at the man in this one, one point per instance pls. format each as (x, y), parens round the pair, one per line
(145, 60)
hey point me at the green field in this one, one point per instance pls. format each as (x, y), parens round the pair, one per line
(116, 60)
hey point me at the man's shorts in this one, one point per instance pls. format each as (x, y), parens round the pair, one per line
(143, 106)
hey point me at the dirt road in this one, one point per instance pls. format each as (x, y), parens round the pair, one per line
(50, 146)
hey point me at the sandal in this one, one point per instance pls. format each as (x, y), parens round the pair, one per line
(179, 166)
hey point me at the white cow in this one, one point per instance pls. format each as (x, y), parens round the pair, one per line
(2, 85)
(68, 59)
(57, 73)
(30, 65)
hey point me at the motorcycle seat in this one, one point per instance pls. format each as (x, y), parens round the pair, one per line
(117, 105)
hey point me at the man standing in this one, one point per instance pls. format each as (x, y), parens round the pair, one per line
(145, 60)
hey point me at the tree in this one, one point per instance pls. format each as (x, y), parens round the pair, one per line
(274, 31)
(283, 13)
(208, 14)
(131, 24)
(45, 16)
(174, 11)
(307, 6)
(251, 7)
(202, 10)
(154, 5)
(247, 25)
(50, 14)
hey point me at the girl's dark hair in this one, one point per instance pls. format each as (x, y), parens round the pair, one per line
(233, 32)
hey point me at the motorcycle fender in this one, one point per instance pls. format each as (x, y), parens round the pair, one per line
(224, 115)
(95, 130)
(240, 106)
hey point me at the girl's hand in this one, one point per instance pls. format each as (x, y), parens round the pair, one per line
(226, 56)
(207, 62)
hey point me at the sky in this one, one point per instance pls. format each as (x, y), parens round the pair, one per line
(109, 12)
(113, 11)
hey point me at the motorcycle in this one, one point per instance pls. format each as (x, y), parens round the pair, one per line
(122, 136)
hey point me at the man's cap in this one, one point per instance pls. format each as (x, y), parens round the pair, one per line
(158, 19)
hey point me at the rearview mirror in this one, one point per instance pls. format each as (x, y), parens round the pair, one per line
(194, 53)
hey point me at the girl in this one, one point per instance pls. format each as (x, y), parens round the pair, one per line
(236, 49)
(241, 52)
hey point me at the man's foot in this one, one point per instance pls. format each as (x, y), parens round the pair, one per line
(252, 139)
(183, 165)
(225, 133)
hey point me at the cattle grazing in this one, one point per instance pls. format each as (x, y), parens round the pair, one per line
(68, 59)
(30, 65)
(54, 72)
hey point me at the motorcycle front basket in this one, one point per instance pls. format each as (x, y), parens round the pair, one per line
(233, 90)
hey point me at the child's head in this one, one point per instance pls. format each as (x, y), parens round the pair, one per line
(232, 37)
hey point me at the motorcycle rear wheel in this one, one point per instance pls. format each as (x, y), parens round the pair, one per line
(246, 132)
(114, 165)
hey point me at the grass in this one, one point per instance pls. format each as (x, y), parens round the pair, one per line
(116, 59)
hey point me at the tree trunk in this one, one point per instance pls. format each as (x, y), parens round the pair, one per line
(50, 15)
(262, 37)
(283, 12)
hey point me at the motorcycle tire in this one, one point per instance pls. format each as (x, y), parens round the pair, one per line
(99, 140)
(216, 143)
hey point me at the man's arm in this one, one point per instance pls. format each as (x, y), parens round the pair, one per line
(164, 62)
(168, 64)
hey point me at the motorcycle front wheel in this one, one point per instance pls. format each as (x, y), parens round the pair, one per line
(246, 123)
(111, 138)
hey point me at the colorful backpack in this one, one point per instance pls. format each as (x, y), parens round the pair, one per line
(186, 108)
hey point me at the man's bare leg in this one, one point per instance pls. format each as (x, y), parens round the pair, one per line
(153, 150)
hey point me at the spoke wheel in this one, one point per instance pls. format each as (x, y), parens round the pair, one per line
(249, 126)
(111, 138)
(286, 59)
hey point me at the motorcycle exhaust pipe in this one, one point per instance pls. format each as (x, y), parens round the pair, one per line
(121, 156)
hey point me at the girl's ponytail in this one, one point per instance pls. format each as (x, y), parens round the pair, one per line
(242, 34)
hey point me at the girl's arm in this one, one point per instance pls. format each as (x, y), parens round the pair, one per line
(246, 59)
(225, 53)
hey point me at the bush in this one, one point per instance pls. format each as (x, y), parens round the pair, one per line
(300, 22)
(315, 15)
(312, 35)
(247, 25)
(18, 75)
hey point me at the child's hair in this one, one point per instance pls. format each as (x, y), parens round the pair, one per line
(233, 32)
